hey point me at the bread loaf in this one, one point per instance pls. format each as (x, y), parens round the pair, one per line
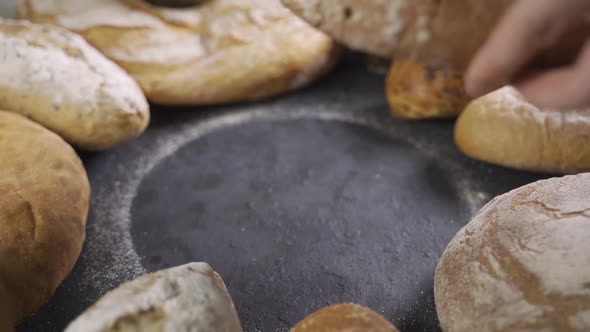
(439, 34)
(191, 297)
(213, 53)
(522, 263)
(55, 78)
(44, 194)
(415, 91)
(344, 318)
(504, 129)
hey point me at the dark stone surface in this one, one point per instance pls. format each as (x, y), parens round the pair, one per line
(295, 214)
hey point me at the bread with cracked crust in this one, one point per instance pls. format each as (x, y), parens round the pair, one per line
(190, 297)
(217, 52)
(522, 263)
(54, 77)
(439, 34)
(44, 195)
(346, 317)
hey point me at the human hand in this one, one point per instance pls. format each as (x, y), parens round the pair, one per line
(528, 28)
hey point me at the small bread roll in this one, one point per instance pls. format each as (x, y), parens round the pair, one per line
(440, 34)
(55, 78)
(415, 91)
(44, 194)
(217, 52)
(344, 318)
(504, 129)
(522, 263)
(190, 297)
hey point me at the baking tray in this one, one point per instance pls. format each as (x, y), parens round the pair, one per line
(314, 198)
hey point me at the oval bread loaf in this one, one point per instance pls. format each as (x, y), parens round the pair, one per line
(522, 263)
(217, 52)
(55, 78)
(440, 34)
(344, 318)
(190, 297)
(44, 194)
(504, 129)
(415, 91)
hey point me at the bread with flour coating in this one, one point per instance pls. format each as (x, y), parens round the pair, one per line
(440, 34)
(345, 317)
(522, 263)
(44, 195)
(190, 297)
(213, 53)
(54, 77)
(504, 129)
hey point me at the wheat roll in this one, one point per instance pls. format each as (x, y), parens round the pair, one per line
(522, 263)
(44, 194)
(217, 52)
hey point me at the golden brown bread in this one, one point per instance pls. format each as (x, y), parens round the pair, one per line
(344, 318)
(522, 263)
(440, 34)
(504, 129)
(415, 91)
(44, 194)
(57, 79)
(218, 52)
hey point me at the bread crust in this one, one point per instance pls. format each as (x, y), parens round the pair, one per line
(436, 33)
(44, 194)
(57, 79)
(190, 297)
(218, 52)
(417, 92)
(504, 129)
(522, 263)
(344, 317)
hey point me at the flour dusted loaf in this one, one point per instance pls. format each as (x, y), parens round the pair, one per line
(344, 318)
(415, 91)
(522, 263)
(55, 78)
(217, 52)
(44, 194)
(190, 297)
(503, 128)
(440, 34)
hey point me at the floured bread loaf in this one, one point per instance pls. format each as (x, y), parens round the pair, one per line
(190, 297)
(522, 263)
(504, 129)
(216, 52)
(440, 34)
(44, 195)
(344, 318)
(54, 77)
(415, 91)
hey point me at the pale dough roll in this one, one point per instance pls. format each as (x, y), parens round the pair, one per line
(54, 77)
(44, 195)
(504, 129)
(190, 297)
(522, 263)
(217, 52)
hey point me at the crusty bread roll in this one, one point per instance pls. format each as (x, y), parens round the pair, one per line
(522, 263)
(344, 318)
(55, 78)
(217, 52)
(190, 297)
(440, 34)
(504, 129)
(44, 194)
(416, 91)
